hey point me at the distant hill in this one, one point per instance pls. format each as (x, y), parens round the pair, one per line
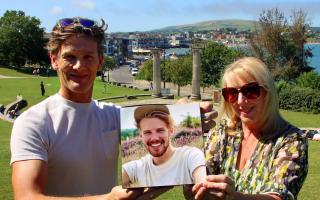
(241, 25)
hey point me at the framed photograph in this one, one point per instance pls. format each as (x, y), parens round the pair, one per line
(161, 145)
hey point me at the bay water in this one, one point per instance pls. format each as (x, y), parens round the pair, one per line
(313, 62)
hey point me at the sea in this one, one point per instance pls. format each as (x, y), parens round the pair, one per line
(313, 62)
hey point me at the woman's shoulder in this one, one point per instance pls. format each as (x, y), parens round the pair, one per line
(292, 132)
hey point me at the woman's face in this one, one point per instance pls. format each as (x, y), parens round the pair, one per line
(250, 111)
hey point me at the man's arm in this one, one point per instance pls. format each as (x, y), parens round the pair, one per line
(199, 174)
(125, 178)
(29, 178)
(34, 173)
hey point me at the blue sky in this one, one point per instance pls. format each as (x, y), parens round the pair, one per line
(142, 15)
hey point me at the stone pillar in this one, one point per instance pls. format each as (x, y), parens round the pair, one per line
(196, 69)
(156, 72)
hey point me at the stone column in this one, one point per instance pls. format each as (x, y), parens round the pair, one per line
(196, 69)
(156, 72)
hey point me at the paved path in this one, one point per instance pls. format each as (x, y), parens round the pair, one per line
(2, 76)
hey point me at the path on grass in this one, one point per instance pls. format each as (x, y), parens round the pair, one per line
(3, 76)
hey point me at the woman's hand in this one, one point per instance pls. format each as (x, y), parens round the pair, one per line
(215, 187)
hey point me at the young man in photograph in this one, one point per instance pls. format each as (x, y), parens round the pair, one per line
(165, 164)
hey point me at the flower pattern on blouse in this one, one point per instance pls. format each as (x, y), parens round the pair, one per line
(278, 164)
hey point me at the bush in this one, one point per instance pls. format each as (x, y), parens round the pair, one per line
(295, 98)
(309, 80)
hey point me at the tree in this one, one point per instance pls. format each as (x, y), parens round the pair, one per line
(146, 71)
(21, 40)
(108, 64)
(180, 71)
(214, 58)
(279, 42)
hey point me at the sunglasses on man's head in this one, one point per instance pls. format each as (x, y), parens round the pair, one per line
(84, 22)
(250, 91)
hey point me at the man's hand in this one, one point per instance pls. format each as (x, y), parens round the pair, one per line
(207, 116)
(118, 193)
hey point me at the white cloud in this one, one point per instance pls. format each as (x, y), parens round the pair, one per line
(56, 10)
(88, 5)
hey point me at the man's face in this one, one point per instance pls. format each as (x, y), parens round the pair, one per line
(77, 63)
(155, 135)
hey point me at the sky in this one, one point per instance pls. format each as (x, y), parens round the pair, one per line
(177, 111)
(144, 15)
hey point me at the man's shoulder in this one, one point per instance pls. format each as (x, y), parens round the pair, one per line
(188, 149)
(107, 106)
(37, 109)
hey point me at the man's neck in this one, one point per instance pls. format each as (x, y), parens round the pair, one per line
(165, 157)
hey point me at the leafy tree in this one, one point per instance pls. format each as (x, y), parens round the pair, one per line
(165, 71)
(214, 58)
(108, 64)
(180, 71)
(190, 122)
(279, 42)
(146, 72)
(21, 40)
(309, 80)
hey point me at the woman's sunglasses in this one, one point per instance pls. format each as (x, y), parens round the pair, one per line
(250, 91)
(87, 23)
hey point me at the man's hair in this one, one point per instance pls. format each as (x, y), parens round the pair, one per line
(60, 34)
(160, 115)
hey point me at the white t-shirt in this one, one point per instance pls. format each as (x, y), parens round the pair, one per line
(78, 141)
(176, 171)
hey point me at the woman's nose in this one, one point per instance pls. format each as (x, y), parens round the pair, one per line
(241, 98)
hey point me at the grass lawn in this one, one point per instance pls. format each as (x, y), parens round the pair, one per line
(10, 72)
(29, 88)
(302, 120)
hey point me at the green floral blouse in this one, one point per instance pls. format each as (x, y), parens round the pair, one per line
(278, 165)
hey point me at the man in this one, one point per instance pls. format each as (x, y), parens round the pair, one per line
(165, 164)
(43, 91)
(67, 145)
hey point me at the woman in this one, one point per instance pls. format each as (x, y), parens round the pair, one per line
(253, 153)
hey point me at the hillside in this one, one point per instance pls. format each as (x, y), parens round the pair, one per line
(241, 25)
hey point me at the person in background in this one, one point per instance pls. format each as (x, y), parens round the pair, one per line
(43, 91)
(253, 153)
(151, 86)
(165, 164)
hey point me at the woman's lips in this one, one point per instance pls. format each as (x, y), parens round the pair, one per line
(246, 110)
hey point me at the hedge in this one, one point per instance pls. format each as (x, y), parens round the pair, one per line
(295, 98)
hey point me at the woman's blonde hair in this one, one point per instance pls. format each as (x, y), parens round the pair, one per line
(251, 69)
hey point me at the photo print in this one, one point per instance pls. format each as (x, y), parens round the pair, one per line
(161, 145)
